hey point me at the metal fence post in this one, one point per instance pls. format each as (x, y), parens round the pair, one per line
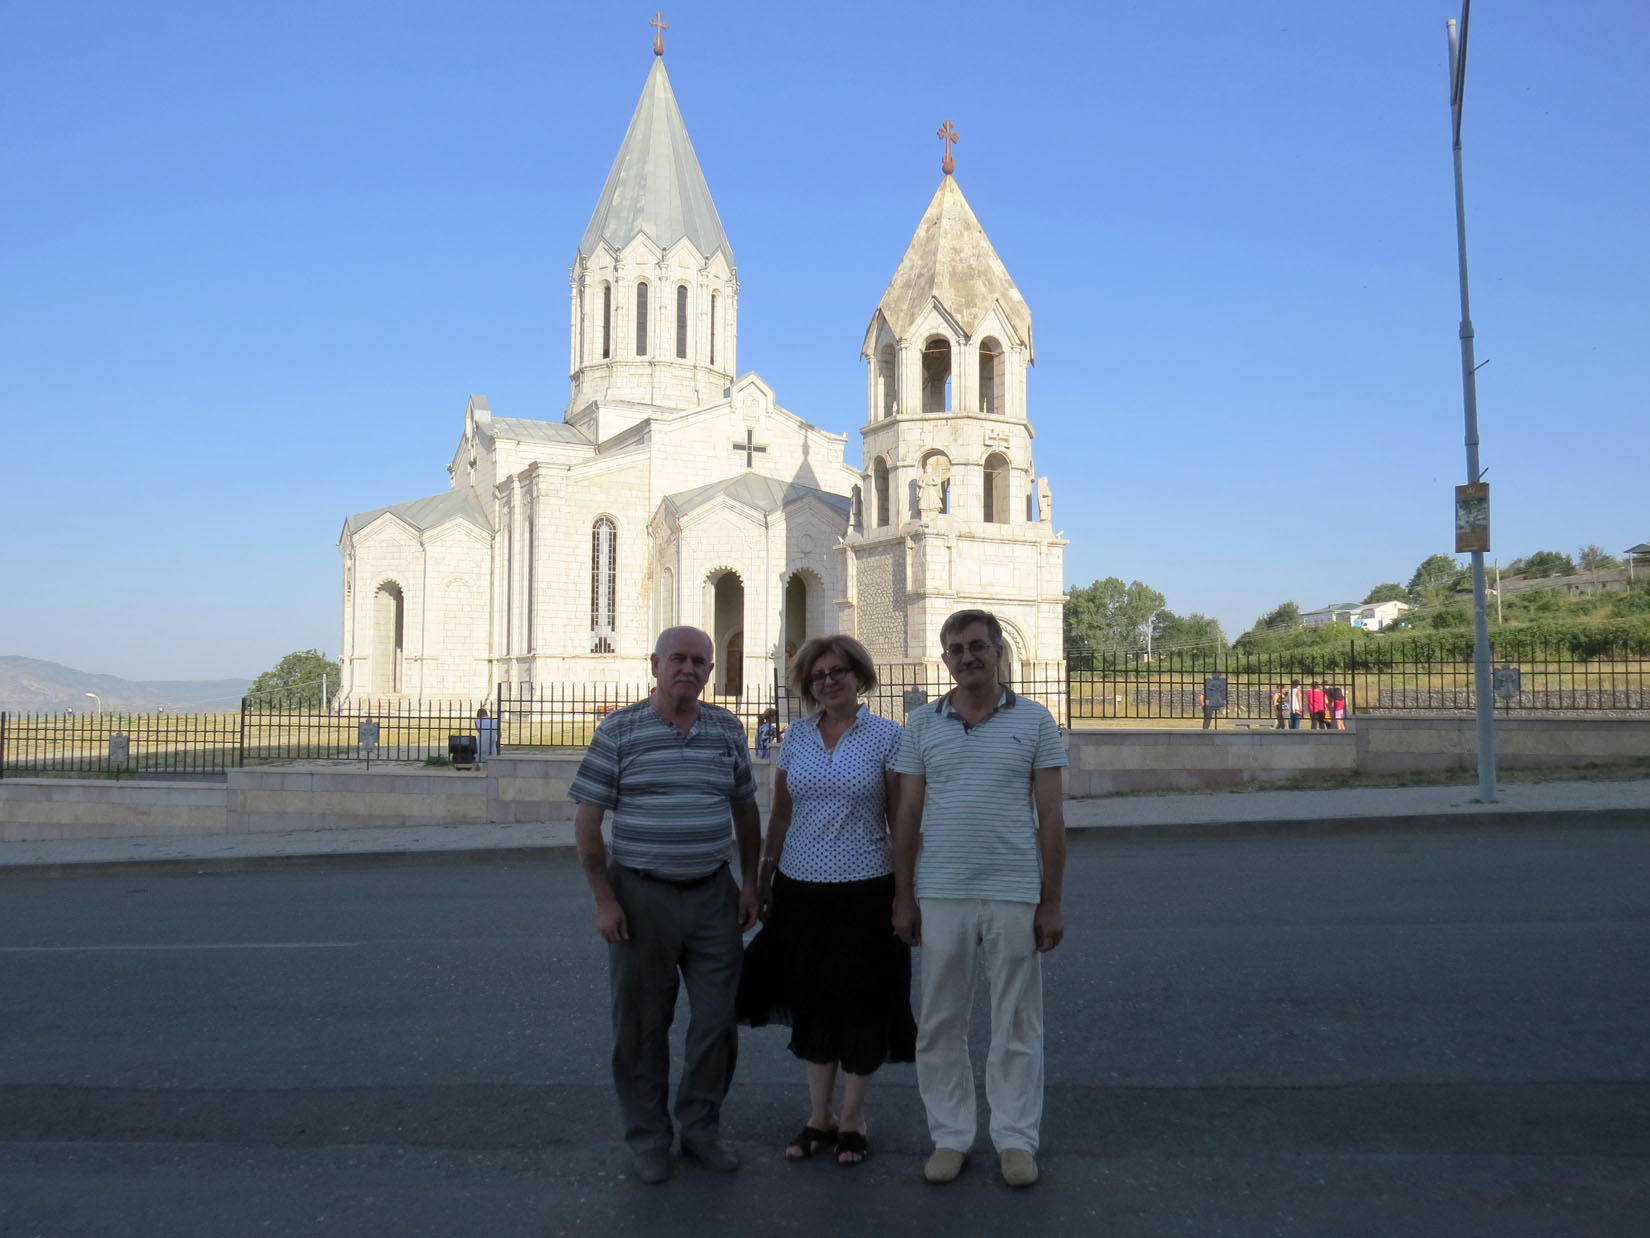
(240, 750)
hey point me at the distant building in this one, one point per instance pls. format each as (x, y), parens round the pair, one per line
(1375, 616)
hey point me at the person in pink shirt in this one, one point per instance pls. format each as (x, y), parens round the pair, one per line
(1315, 704)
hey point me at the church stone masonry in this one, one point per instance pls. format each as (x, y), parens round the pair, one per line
(674, 490)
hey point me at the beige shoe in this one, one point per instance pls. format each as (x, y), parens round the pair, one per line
(1019, 1167)
(943, 1166)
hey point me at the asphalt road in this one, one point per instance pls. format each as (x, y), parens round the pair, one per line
(1399, 1034)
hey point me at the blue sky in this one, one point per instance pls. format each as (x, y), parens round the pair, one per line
(256, 257)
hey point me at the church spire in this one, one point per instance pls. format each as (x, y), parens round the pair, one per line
(950, 261)
(655, 188)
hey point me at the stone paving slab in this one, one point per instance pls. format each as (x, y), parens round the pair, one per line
(1624, 802)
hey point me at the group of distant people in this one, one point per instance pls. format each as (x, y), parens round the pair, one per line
(947, 833)
(1324, 704)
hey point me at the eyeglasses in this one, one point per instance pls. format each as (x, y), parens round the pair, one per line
(975, 647)
(831, 676)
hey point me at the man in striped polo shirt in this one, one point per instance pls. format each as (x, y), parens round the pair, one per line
(985, 885)
(674, 771)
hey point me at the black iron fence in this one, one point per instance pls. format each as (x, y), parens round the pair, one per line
(1174, 685)
(1170, 688)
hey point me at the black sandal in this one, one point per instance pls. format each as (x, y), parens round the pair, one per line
(809, 1139)
(852, 1141)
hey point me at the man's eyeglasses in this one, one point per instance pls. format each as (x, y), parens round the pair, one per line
(978, 648)
(830, 676)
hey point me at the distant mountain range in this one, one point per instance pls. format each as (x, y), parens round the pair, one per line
(29, 685)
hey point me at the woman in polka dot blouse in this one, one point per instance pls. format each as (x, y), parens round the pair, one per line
(828, 962)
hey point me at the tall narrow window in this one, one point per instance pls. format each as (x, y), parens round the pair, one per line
(607, 321)
(641, 320)
(681, 320)
(604, 538)
(887, 382)
(936, 376)
(713, 328)
(879, 486)
(996, 489)
(532, 575)
(581, 324)
(991, 376)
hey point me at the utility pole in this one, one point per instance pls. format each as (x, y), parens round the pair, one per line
(1481, 674)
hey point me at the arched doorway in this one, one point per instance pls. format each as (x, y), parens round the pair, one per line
(796, 614)
(388, 618)
(728, 631)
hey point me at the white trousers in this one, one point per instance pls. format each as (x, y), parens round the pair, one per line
(955, 933)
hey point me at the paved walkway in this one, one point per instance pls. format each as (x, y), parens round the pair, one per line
(1232, 812)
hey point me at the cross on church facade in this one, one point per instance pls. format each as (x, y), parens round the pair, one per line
(751, 448)
(660, 25)
(947, 134)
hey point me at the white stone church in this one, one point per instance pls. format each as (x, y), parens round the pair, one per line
(676, 490)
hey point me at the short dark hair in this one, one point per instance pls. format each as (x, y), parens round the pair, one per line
(967, 618)
(845, 647)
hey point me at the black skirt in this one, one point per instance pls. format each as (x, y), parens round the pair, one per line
(828, 965)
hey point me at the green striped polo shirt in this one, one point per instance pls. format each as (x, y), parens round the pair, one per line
(671, 794)
(979, 832)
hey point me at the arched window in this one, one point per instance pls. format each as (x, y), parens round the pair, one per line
(681, 320)
(879, 485)
(996, 489)
(581, 324)
(936, 376)
(713, 328)
(388, 616)
(607, 321)
(604, 538)
(641, 319)
(991, 376)
(887, 382)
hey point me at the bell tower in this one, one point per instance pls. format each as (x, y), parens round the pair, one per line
(952, 513)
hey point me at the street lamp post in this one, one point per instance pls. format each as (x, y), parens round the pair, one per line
(1482, 686)
(99, 703)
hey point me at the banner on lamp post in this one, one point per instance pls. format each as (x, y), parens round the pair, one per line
(1472, 517)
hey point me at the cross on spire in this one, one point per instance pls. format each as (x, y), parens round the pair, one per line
(751, 448)
(660, 25)
(947, 134)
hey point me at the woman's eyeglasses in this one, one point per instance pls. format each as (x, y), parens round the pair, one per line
(830, 676)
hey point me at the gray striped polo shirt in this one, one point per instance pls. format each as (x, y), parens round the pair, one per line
(671, 794)
(979, 833)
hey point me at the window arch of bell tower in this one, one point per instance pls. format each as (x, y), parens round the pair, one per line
(936, 375)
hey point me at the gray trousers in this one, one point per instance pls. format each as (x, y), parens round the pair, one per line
(692, 935)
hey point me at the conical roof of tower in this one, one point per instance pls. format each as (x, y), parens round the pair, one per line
(951, 261)
(656, 188)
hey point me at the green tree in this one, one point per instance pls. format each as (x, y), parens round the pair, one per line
(1593, 559)
(1192, 632)
(1391, 591)
(1109, 615)
(1543, 563)
(297, 680)
(1287, 615)
(1436, 580)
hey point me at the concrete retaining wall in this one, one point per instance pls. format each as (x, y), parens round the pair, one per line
(34, 809)
(1106, 762)
(271, 799)
(274, 798)
(533, 787)
(1396, 744)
